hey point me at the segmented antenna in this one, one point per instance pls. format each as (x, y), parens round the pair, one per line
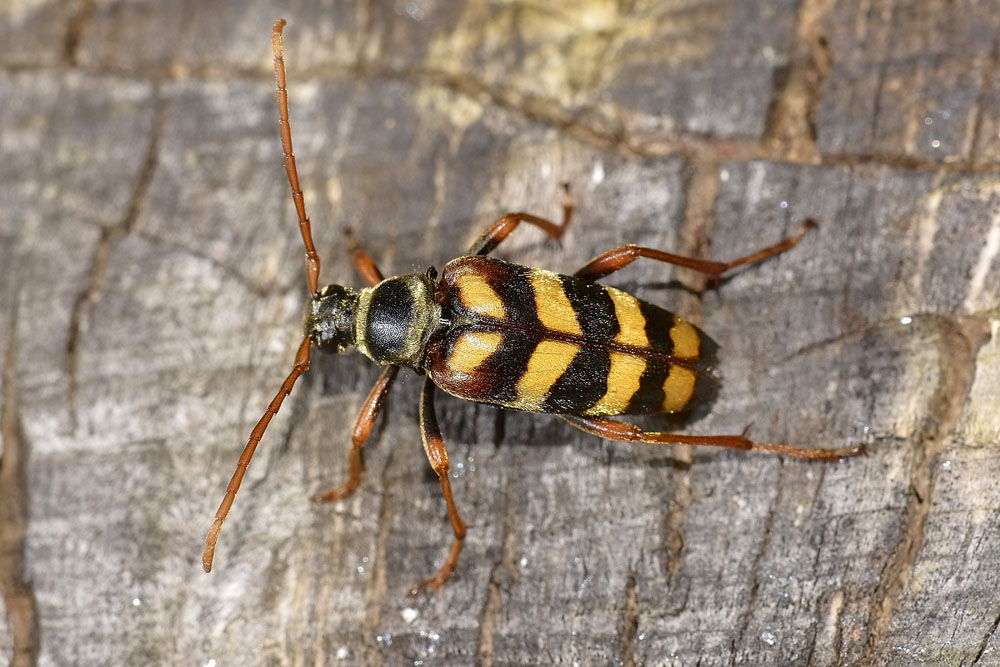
(312, 280)
(300, 367)
(312, 258)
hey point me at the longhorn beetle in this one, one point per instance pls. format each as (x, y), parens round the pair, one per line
(494, 332)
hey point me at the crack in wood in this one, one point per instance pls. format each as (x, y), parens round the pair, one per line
(297, 413)
(908, 162)
(810, 518)
(582, 124)
(375, 594)
(676, 517)
(838, 637)
(790, 127)
(630, 622)
(701, 190)
(986, 642)
(958, 343)
(74, 31)
(506, 563)
(989, 74)
(880, 78)
(110, 238)
(765, 545)
(794, 105)
(829, 629)
(258, 289)
(863, 331)
(15, 588)
(591, 130)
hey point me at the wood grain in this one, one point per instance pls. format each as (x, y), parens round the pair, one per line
(151, 292)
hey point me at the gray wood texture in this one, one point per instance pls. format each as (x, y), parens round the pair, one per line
(151, 288)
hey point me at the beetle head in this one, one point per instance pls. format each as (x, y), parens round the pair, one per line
(329, 318)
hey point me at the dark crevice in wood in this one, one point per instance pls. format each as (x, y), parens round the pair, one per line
(838, 637)
(876, 110)
(677, 515)
(585, 127)
(880, 80)
(252, 487)
(976, 112)
(630, 622)
(986, 82)
(506, 563)
(254, 288)
(986, 642)
(862, 331)
(582, 124)
(18, 594)
(709, 153)
(958, 341)
(221, 464)
(790, 127)
(835, 604)
(906, 162)
(577, 123)
(813, 631)
(499, 428)
(817, 628)
(833, 340)
(754, 570)
(110, 238)
(376, 592)
(298, 411)
(700, 192)
(74, 31)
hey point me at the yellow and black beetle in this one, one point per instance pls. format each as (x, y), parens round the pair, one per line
(494, 332)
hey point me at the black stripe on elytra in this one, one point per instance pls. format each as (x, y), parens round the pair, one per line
(503, 369)
(595, 311)
(512, 283)
(658, 324)
(648, 399)
(495, 379)
(582, 384)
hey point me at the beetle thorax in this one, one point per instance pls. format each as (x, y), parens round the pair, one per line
(396, 318)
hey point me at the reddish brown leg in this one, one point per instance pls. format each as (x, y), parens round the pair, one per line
(362, 429)
(502, 228)
(362, 260)
(300, 367)
(438, 456)
(312, 258)
(616, 430)
(617, 258)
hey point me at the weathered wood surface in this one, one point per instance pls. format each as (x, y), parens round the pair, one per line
(152, 284)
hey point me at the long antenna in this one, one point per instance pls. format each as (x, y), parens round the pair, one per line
(300, 367)
(312, 258)
(312, 281)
